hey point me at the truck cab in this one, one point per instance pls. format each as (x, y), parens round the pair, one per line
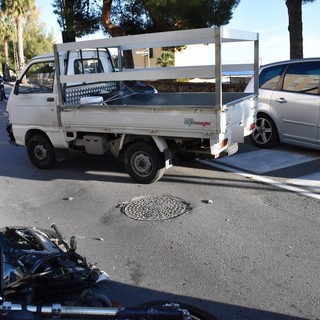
(35, 97)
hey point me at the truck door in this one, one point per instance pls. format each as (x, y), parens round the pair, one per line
(34, 102)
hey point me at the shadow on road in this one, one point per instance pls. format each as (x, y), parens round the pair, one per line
(130, 296)
(81, 166)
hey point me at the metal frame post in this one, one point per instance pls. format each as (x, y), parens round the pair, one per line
(218, 68)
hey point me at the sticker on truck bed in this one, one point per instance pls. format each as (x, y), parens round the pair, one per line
(191, 122)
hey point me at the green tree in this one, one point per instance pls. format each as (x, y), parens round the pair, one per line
(18, 10)
(77, 18)
(35, 33)
(121, 17)
(295, 27)
(169, 15)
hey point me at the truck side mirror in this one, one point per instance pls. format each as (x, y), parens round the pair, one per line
(16, 87)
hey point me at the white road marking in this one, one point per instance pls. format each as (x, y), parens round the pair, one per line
(312, 181)
(264, 160)
(269, 181)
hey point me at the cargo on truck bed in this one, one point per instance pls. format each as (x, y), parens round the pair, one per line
(79, 98)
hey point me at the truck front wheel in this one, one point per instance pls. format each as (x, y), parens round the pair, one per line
(144, 163)
(40, 152)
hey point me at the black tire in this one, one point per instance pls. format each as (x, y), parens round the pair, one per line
(41, 152)
(195, 313)
(265, 134)
(2, 94)
(144, 163)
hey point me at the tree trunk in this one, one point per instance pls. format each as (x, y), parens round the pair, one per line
(5, 67)
(295, 28)
(21, 59)
(68, 34)
(115, 31)
(67, 37)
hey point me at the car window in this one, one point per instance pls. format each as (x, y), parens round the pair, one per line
(38, 78)
(302, 77)
(269, 77)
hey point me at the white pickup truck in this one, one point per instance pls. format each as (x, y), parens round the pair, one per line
(78, 98)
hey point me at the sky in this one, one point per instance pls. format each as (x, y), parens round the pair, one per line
(269, 18)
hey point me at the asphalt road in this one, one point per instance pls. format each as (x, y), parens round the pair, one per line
(253, 253)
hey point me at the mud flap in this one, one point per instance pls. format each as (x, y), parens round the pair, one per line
(237, 134)
(163, 148)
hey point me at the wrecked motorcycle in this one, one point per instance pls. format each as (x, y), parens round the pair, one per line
(42, 276)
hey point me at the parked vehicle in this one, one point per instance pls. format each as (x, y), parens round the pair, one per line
(2, 92)
(289, 104)
(78, 98)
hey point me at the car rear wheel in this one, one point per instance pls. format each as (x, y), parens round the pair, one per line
(265, 134)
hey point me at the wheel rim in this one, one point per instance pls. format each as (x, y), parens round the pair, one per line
(40, 152)
(263, 131)
(141, 164)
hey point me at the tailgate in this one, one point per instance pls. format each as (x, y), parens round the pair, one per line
(238, 116)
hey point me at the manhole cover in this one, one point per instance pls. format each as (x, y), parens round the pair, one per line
(155, 207)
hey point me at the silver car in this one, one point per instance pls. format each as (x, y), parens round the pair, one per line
(289, 104)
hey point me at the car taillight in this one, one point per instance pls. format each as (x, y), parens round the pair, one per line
(223, 143)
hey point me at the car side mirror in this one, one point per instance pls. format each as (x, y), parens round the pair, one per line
(16, 87)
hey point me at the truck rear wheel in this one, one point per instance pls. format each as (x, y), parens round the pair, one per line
(40, 152)
(144, 163)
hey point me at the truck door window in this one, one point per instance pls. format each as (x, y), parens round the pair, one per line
(38, 78)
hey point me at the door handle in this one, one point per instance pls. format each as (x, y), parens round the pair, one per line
(50, 99)
(281, 100)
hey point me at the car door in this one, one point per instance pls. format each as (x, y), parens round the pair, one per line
(34, 102)
(296, 104)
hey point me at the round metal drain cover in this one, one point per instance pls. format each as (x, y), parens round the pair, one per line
(155, 207)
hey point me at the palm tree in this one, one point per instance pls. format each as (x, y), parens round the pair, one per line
(166, 59)
(18, 10)
(7, 33)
